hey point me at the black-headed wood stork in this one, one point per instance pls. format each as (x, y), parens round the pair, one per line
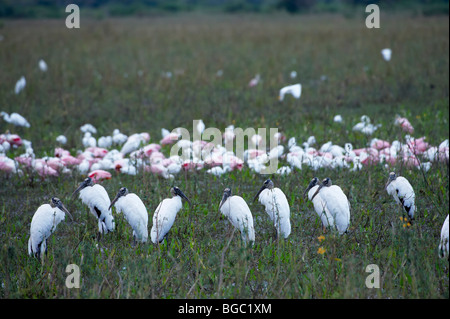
(165, 214)
(134, 211)
(43, 225)
(403, 193)
(97, 199)
(330, 203)
(443, 245)
(238, 213)
(277, 207)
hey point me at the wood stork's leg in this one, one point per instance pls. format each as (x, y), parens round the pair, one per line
(324, 229)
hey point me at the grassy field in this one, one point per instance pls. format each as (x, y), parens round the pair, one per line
(109, 73)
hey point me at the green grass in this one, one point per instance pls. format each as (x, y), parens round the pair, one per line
(93, 78)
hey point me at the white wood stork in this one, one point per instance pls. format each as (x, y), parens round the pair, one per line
(403, 193)
(443, 245)
(277, 207)
(165, 214)
(134, 211)
(319, 204)
(238, 213)
(330, 203)
(43, 225)
(97, 199)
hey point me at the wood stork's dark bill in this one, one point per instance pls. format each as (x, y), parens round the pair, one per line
(391, 178)
(326, 182)
(313, 183)
(123, 191)
(56, 202)
(226, 194)
(267, 184)
(177, 192)
(87, 182)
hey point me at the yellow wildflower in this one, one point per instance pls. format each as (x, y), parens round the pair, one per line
(321, 250)
(321, 238)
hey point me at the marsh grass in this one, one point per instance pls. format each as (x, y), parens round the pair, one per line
(109, 74)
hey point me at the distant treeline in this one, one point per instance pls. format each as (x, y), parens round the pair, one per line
(105, 8)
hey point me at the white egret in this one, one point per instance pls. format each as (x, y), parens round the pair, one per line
(403, 193)
(20, 85)
(43, 66)
(295, 90)
(43, 225)
(238, 213)
(97, 199)
(387, 54)
(165, 214)
(134, 211)
(277, 207)
(61, 139)
(443, 245)
(15, 119)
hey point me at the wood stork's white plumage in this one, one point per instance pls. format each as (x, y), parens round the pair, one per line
(43, 225)
(330, 203)
(15, 119)
(97, 199)
(443, 245)
(165, 214)
(277, 207)
(134, 211)
(238, 213)
(403, 193)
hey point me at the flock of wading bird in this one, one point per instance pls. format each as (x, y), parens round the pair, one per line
(330, 203)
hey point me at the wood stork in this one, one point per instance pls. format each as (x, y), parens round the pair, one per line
(277, 207)
(97, 199)
(43, 225)
(238, 213)
(134, 211)
(330, 203)
(165, 214)
(443, 245)
(403, 193)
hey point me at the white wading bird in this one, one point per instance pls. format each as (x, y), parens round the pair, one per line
(20, 85)
(277, 207)
(295, 90)
(330, 203)
(43, 66)
(97, 199)
(165, 214)
(15, 119)
(135, 213)
(403, 193)
(43, 224)
(238, 213)
(443, 246)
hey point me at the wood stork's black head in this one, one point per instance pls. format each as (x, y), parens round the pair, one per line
(326, 182)
(56, 202)
(87, 182)
(392, 177)
(177, 192)
(226, 194)
(123, 191)
(312, 183)
(267, 184)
